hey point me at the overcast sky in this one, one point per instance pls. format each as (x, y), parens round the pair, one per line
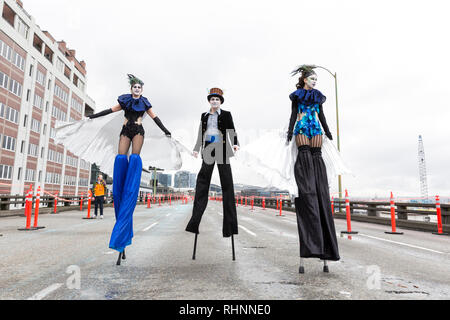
(391, 57)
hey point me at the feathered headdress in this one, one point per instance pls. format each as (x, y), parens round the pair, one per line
(303, 69)
(133, 80)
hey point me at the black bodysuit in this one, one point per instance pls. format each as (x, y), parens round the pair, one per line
(132, 129)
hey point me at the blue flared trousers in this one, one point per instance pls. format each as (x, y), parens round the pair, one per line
(127, 179)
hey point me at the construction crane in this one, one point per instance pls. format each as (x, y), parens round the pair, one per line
(422, 170)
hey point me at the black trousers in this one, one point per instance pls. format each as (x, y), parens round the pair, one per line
(230, 224)
(99, 203)
(313, 207)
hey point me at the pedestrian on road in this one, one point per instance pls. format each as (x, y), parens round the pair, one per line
(99, 194)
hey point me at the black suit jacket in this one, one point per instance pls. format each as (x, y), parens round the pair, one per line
(226, 127)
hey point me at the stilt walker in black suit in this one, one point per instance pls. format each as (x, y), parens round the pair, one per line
(215, 133)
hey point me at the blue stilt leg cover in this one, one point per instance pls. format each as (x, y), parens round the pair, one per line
(123, 230)
(120, 173)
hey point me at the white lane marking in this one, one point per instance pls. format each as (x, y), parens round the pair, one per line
(109, 252)
(149, 227)
(220, 214)
(248, 231)
(168, 215)
(42, 294)
(401, 243)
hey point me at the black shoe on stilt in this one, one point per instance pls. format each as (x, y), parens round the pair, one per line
(123, 255)
(195, 246)
(325, 267)
(119, 259)
(301, 269)
(232, 245)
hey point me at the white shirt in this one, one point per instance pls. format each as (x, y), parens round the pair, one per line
(212, 127)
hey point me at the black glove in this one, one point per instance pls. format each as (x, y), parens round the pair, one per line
(329, 136)
(289, 136)
(100, 114)
(161, 126)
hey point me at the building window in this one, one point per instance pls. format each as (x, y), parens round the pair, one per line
(55, 156)
(71, 161)
(58, 114)
(15, 87)
(4, 80)
(85, 165)
(42, 154)
(40, 78)
(38, 101)
(33, 150)
(31, 70)
(25, 120)
(52, 178)
(52, 133)
(9, 143)
(30, 175)
(83, 182)
(35, 125)
(70, 181)
(77, 105)
(44, 131)
(40, 176)
(28, 94)
(10, 114)
(5, 172)
(60, 93)
(60, 65)
(22, 146)
(22, 27)
(12, 56)
(19, 175)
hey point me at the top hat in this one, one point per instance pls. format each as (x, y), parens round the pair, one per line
(216, 92)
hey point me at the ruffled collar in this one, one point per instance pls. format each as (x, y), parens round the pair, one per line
(308, 97)
(127, 101)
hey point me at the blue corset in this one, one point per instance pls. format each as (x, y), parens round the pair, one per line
(309, 125)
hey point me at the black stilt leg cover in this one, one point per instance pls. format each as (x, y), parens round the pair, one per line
(230, 223)
(307, 206)
(330, 245)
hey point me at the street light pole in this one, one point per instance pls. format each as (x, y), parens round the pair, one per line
(337, 120)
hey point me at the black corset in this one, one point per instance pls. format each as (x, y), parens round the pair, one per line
(133, 116)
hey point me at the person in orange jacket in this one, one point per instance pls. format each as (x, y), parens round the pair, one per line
(99, 194)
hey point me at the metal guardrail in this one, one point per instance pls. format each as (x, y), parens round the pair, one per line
(372, 212)
(47, 201)
(371, 209)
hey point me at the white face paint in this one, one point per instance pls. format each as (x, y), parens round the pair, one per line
(311, 81)
(215, 102)
(136, 90)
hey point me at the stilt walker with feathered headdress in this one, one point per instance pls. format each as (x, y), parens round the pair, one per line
(313, 206)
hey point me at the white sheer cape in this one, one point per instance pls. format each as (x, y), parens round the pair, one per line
(272, 160)
(97, 141)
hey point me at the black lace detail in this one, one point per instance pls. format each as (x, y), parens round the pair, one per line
(131, 130)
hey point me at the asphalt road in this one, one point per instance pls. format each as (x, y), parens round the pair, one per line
(70, 259)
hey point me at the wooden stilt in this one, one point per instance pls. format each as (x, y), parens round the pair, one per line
(232, 245)
(195, 246)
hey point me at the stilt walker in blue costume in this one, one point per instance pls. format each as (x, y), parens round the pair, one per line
(127, 172)
(313, 206)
